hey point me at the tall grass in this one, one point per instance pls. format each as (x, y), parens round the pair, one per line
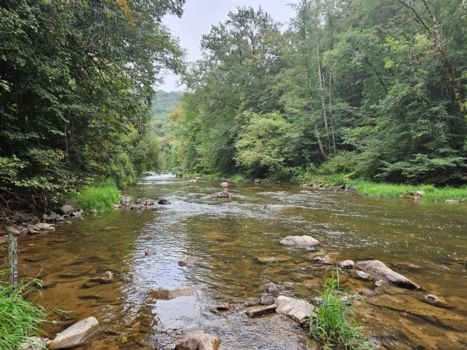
(19, 318)
(100, 197)
(332, 323)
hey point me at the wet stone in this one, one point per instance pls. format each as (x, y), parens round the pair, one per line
(266, 299)
(273, 259)
(199, 341)
(255, 311)
(347, 264)
(362, 275)
(168, 294)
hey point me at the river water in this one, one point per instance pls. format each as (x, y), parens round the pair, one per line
(425, 242)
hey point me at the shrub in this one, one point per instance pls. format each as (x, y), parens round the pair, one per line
(19, 318)
(342, 162)
(332, 323)
(101, 197)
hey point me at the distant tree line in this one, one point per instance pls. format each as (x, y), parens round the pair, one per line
(372, 88)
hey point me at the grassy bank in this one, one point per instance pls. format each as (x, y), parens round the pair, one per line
(101, 197)
(386, 190)
(430, 193)
(19, 318)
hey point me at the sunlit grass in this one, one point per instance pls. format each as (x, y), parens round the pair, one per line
(101, 197)
(333, 324)
(19, 318)
(431, 193)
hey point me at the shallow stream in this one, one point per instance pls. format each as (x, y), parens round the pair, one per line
(425, 242)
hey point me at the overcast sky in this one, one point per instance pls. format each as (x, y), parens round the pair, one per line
(200, 15)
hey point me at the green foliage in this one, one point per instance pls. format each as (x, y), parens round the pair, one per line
(342, 162)
(364, 87)
(19, 318)
(265, 144)
(332, 321)
(101, 197)
(76, 79)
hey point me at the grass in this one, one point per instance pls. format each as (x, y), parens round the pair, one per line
(101, 197)
(332, 323)
(19, 318)
(431, 193)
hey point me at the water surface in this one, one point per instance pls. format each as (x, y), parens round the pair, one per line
(425, 242)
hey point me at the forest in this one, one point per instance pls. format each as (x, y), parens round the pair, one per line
(372, 89)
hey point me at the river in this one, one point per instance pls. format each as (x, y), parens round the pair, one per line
(425, 242)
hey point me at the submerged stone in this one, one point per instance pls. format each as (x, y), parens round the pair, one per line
(168, 294)
(379, 270)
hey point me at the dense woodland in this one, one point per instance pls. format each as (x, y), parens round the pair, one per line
(373, 89)
(76, 83)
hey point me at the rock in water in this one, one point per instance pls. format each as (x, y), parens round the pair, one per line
(125, 200)
(163, 201)
(347, 264)
(75, 335)
(199, 341)
(297, 309)
(299, 241)
(168, 294)
(225, 184)
(255, 311)
(436, 300)
(223, 194)
(379, 270)
(41, 226)
(362, 275)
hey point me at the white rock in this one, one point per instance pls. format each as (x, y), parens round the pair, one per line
(347, 264)
(299, 241)
(75, 335)
(379, 270)
(298, 310)
(225, 184)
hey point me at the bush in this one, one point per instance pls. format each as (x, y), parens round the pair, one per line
(101, 197)
(332, 323)
(342, 162)
(19, 318)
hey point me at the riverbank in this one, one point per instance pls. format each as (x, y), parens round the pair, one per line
(428, 193)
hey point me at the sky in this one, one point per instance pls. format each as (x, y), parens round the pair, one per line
(200, 15)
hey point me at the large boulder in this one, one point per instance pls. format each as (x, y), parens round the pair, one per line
(299, 241)
(76, 335)
(379, 270)
(298, 310)
(199, 341)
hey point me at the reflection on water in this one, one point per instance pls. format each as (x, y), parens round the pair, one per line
(427, 243)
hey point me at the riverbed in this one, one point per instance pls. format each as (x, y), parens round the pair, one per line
(225, 237)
